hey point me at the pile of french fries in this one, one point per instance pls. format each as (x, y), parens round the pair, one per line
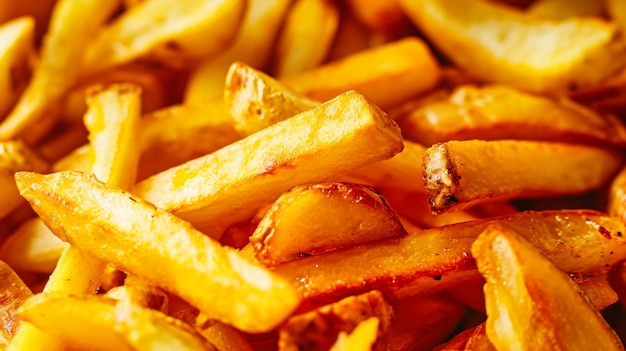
(312, 175)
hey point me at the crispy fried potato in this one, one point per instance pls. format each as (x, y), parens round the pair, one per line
(318, 329)
(462, 172)
(386, 16)
(458, 342)
(312, 219)
(140, 294)
(352, 36)
(40, 11)
(14, 157)
(479, 341)
(524, 289)
(617, 10)
(228, 185)
(252, 46)
(13, 292)
(361, 338)
(500, 112)
(306, 36)
(65, 139)
(390, 74)
(563, 9)
(72, 26)
(16, 38)
(177, 33)
(436, 259)
(183, 260)
(222, 336)
(100, 323)
(598, 289)
(498, 44)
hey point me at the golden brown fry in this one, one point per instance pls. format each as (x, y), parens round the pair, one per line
(381, 15)
(598, 289)
(312, 219)
(318, 329)
(479, 341)
(616, 204)
(458, 342)
(16, 49)
(40, 11)
(140, 293)
(389, 74)
(77, 160)
(176, 33)
(222, 336)
(159, 247)
(362, 338)
(436, 259)
(306, 36)
(461, 172)
(531, 303)
(500, 112)
(497, 43)
(616, 9)
(252, 46)
(352, 36)
(65, 139)
(228, 185)
(101, 323)
(13, 292)
(72, 26)
(563, 9)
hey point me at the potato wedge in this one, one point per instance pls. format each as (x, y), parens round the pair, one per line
(72, 26)
(500, 112)
(183, 260)
(177, 33)
(13, 292)
(361, 338)
(461, 172)
(391, 74)
(316, 218)
(318, 329)
(100, 323)
(252, 46)
(306, 36)
(496, 43)
(16, 49)
(524, 289)
(437, 259)
(228, 185)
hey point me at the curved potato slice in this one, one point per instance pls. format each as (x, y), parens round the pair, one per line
(460, 172)
(500, 44)
(159, 247)
(311, 219)
(177, 32)
(13, 292)
(531, 303)
(100, 323)
(16, 47)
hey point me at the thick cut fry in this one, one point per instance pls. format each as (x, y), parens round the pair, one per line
(531, 303)
(100, 323)
(389, 74)
(306, 36)
(252, 46)
(362, 338)
(499, 112)
(14, 157)
(16, 47)
(436, 259)
(13, 292)
(222, 336)
(312, 219)
(461, 172)
(159, 247)
(177, 33)
(318, 329)
(257, 101)
(228, 185)
(497, 43)
(72, 26)
(563, 9)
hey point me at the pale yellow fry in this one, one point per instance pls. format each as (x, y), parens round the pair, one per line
(564, 9)
(16, 47)
(13, 292)
(306, 36)
(230, 184)
(159, 247)
(252, 46)
(104, 324)
(361, 339)
(73, 25)
(179, 32)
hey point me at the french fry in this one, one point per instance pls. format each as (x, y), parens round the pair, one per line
(231, 183)
(13, 292)
(386, 16)
(312, 219)
(479, 340)
(462, 172)
(360, 339)
(306, 36)
(598, 289)
(617, 11)
(525, 289)
(312, 330)
(352, 36)
(562, 10)
(65, 139)
(141, 294)
(251, 45)
(184, 261)
(458, 342)
(500, 112)
(222, 336)
(16, 37)
(391, 74)
(497, 43)
(177, 34)
(436, 259)
(40, 11)
(101, 323)
(72, 26)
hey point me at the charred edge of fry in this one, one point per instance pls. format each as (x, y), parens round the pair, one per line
(440, 179)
